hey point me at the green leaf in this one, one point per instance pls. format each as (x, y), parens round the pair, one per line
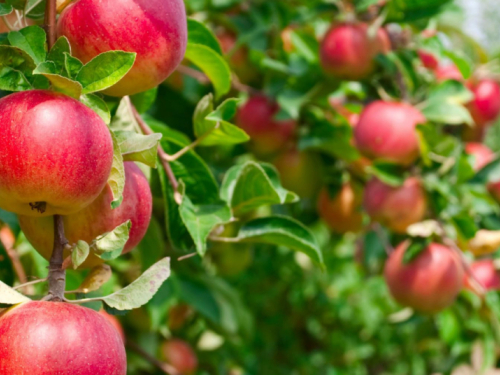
(389, 173)
(110, 245)
(5, 9)
(32, 40)
(446, 113)
(144, 100)
(124, 118)
(198, 33)
(251, 185)
(116, 180)
(9, 296)
(57, 53)
(282, 231)
(104, 70)
(35, 8)
(451, 91)
(417, 245)
(142, 289)
(14, 57)
(213, 65)
(72, 65)
(16, 4)
(461, 61)
(213, 126)
(13, 80)
(98, 105)
(202, 219)
(79, 253)
(139, 147)
(59, 83)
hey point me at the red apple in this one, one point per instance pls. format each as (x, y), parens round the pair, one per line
(237, 56)
(482, 154)
(485, 107)
(485, 272)
(395, 207)
(386, 131)
(56, 154)
(429, 60)
(429, 283)
(155, 29)
(98, 218)
(445, 72)
(180, 355)
(342, 213)
(299, 172)
(268, 135)
(115, 323)
(348, 52)
(48, 338)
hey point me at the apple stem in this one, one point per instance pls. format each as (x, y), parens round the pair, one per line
(50, 22)
(57, 275)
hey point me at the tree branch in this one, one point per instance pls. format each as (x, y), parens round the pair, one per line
(50, 22)
(165, 367)
(57, 275)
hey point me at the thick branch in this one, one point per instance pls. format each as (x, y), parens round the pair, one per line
(50, 22)
(57, 275)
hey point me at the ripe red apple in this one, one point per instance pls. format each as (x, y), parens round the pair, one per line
(180, 355)
(485, 272)
(155, 29)
(444, 72)
(114, 322)
(45, 338)
(386, 131)
(342, 213)
(395, 207)
(268, 135)
(300, 172)
(485, 107)
(429, 283)
(348, 52)
(429, 60)
(482, 154)
(98, 218)
(56, 154)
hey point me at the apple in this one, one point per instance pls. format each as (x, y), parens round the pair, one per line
(299, 172)
(180, 355)
(178, 315)
(429, 60)
(237, 56)
(59, 338)
(481, 153)
(430, 282)
(342, 213)
(395, 207)
(485, 107)
(485, 273)
(268, 135)
(445, 72)
(114, 322)
(56, 154)
(386, 131)
(154, 29)
(98, 218)
(347, 51)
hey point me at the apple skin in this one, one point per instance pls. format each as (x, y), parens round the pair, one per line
(429, 283)
(429, 60)
(395, 207)
(386, 131)
(445, 72)
(342, 213)
(268, 135)
(98, 218)
(347, 52)
(486, 273)
(300, 172)
(482, 154)
(180, 355)
(485, 107)
(54, 150)
(47, 338)
(155, 29)
(114, 322)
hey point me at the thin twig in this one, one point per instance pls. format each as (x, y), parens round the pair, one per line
(165, 367)
(187, 256)
(50, 22)
(8, 245)
(382, 238)
(30, 283)
(224, 239)
(161, 152)
(57, 275)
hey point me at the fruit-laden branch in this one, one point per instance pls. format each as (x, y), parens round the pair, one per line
(50, 22)
(57, 275)
(161, 152)
(165, 367)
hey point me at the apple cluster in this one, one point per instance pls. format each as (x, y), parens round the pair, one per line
(57, 156)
